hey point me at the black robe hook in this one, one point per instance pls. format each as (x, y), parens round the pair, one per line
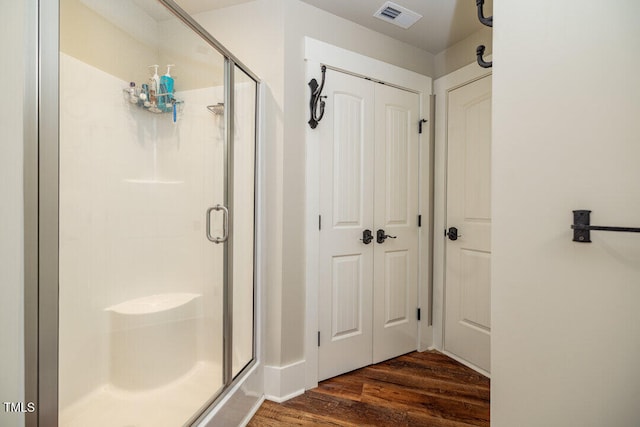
(316, 98)
(481, 61)
(488, 21)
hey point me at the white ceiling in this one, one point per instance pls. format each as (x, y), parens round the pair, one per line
(158, 12)
(444, 22)
(197, 6)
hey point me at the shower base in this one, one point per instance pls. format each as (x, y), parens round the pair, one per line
(170, 405)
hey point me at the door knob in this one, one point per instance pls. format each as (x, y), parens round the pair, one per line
(381, 236)
(367, 237)
(453, 233)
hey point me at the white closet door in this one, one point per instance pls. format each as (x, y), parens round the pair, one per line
(395, 278)
(468, 266)
(346, 203)
(369, 181)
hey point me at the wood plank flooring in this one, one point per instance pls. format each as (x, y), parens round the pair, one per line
(417, 389)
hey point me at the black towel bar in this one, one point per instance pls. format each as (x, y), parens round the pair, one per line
(582, 227)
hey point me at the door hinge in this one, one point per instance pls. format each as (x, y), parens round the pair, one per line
(319, 222)
(318, 338)
(419, 314)
(420, 125)
(419, 220)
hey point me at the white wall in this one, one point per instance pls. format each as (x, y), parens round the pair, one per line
(304, 20)
(274, 49)
(11, 211)
(463, 52)
(566, 135)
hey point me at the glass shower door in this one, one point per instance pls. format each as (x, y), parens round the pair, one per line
(143, 218)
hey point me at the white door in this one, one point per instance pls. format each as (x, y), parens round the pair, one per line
(346, 201)
(369, 176)
(395, 322)
(468, 258)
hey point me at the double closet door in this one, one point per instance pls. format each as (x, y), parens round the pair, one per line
(368, 284)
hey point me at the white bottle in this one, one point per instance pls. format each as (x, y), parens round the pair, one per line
(133, 97)
(154, 82)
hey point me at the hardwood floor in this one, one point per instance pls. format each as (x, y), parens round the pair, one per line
(417, 389)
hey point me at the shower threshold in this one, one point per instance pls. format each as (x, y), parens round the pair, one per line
(169, 405)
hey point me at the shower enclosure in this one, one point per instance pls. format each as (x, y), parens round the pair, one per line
(146, 216)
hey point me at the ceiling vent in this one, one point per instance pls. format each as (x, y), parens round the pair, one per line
(398, 15)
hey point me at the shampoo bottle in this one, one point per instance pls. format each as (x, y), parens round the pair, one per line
(167, 81)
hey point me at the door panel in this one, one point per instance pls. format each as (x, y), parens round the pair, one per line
(396, 288)
(476, 290)
(394, 146)
(346, 289)
(348, 146)
(346, 201)
(468, 270)
(395, 323)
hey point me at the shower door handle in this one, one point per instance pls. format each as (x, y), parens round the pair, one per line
(225, 224)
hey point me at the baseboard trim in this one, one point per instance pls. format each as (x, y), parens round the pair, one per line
(465, 363)
(282, 383)
(284, 398)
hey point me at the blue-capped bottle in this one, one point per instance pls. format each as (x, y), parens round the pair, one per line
(166, 82)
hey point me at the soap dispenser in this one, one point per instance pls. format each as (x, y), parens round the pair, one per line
(167, 81)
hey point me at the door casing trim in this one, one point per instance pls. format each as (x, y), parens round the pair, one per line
(318, 53)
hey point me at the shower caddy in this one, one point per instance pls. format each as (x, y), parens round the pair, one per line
(154, 101)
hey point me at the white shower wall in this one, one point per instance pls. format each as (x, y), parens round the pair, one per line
(134, 189)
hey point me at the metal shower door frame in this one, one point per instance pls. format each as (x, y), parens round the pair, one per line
(41, 189)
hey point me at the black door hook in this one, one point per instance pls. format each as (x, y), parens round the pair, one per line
(481, 61)
(488, 20)
(316, 100)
